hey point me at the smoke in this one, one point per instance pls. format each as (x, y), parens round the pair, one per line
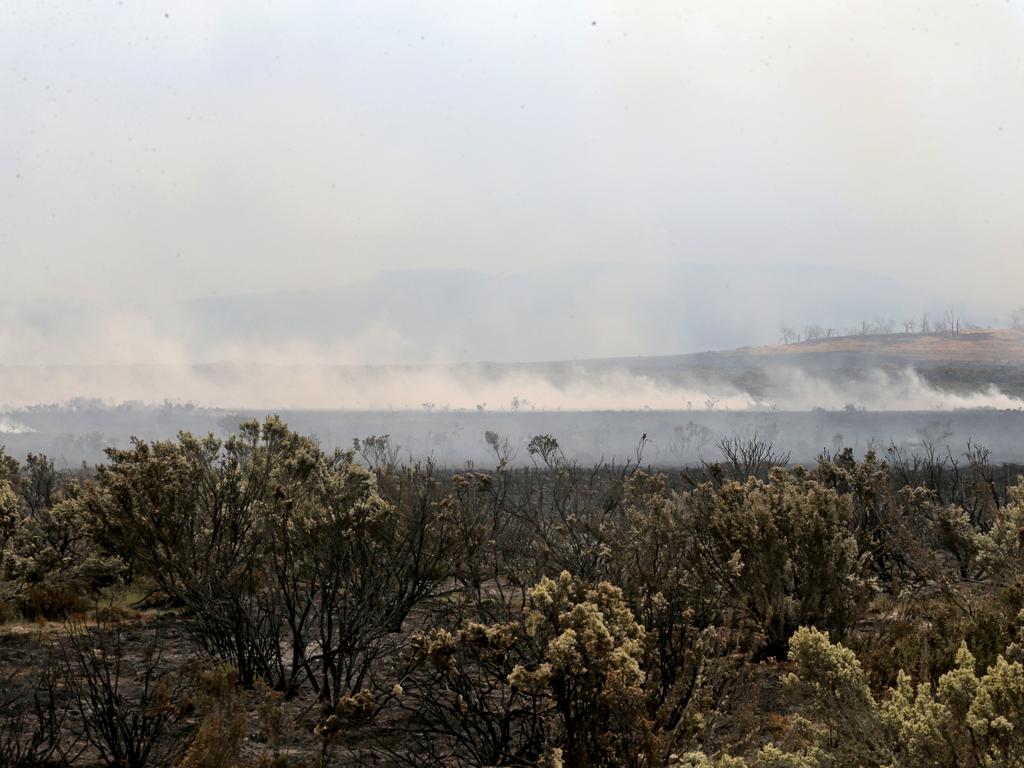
(223, 155)
(569, 387)
(11, 427)
(268, 386)
(876, 389)
(135, 355)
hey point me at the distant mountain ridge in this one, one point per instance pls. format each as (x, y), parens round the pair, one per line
(549, 314)
(576, 312)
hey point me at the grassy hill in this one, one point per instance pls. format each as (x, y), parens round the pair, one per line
(976, 347)
(971, 361)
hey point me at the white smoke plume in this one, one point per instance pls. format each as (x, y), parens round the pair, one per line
(576, 387)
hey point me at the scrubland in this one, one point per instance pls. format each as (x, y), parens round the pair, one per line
(261, 601)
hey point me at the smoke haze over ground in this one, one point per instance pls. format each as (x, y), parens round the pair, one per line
(573, 386)
(403, 207)
(436, 315)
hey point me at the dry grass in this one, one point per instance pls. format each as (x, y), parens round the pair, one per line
(994, 347)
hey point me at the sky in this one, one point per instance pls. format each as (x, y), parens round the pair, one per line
(169, 151)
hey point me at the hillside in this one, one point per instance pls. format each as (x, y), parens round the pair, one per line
(978, 347)
(974, 347)
(972, 361)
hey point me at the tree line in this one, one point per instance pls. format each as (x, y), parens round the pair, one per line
(948, 323)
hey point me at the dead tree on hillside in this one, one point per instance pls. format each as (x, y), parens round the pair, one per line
(952, 324)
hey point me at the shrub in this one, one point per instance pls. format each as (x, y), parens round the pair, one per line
(464, 707)
(780, 552)
(33, 717)
(189, 516)
(675, 606)
(264, 536)
(222, 726)
(964, 721)
(1001, 549)
(50, 601)
(126, 707)
(589, 648)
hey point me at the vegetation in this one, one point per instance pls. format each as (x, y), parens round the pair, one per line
(260, 601)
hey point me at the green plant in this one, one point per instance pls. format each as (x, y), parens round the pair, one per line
(589, 649)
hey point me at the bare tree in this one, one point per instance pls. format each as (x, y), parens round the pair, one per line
(504, 451)
(34, 717)
(952, 322)
(546, 447)
(126, 714)
(813, 331)
(751, 457)
(378, 452)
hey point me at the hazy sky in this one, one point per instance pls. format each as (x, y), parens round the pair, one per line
(177, 149)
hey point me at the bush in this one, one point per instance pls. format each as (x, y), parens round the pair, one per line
(675, 605)
(464, 707)
(50, 601)
(222, 726)
(1001, 549)
(34, 717)
(780, 553)
(589, 648)
(964, 721)
(126, 710)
